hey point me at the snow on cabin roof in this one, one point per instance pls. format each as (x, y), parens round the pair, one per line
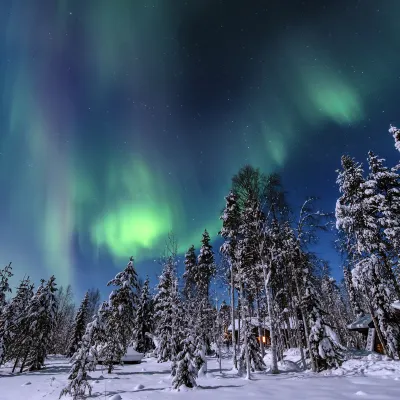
(253, 322)
(362, 323)
(396, 305)
(264, 324)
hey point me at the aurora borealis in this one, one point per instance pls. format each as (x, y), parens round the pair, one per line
(123, 120)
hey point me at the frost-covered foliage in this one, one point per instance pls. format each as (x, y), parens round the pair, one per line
(396, 136)
(189, 289)
(79, 327)
(326, 350)
(204, 270)
(87, 356)
(5, 275)
(93, 304)
(368, 215)
(165, 311)
(12, 323)
(256, 360)
(39, 324)
(186, 370)
(64, 321)
(337, 314)
(354, 295)
(120, 326)
(367, 273)
(144, 320)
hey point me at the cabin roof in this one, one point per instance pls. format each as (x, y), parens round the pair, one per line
(396, 305)
(253, 322)
(364, 322)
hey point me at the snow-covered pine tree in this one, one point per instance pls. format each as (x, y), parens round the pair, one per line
(230, 232)
(79, 327)
(12, 322)
(205, 268)
(202, 274)
(41, 315)
(354, 296)
(180, 326)
(359, 216)
(249, 265)
(5, 275)
(164, 311)
(87, 356)
(382, 205)
(368, 274)
(336, 313)
(64, 320)
(144, 320)
(93, 304)
(256, 360)
(188, 278)
(121, 317)
(186, 370)
(325, 347)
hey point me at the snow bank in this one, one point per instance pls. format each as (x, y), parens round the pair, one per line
(370, 365)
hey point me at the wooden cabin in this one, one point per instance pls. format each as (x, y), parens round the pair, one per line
(365, 326)
(265, 336)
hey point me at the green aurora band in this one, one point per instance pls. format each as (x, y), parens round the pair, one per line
(124, 199)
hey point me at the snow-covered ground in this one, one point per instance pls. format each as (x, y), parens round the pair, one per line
(367, 377)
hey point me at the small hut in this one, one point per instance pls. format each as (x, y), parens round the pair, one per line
(254, 322)
(365, 326)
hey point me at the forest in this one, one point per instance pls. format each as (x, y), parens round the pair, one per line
(264, 290)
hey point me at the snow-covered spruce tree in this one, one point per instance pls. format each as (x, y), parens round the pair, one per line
(325, 347)
(249, 267)
(180, 327)
(64, 321)
(230, 231)
(144, 320)
(12, 323)
(354, 296)
(186, 370)
(368, 273)
(164, 311)
(121, 316)
(382, 205)
(40, 319)
(205, 268)
(202, 274)
(79, 327)
(5, 275)
(93, 304)
(359, 218)
(87, 356)
(336, 313)
(188, 278)
(256, 360)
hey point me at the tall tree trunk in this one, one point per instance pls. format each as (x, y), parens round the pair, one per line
(378, 331)
(260, 324)
(313, 366)
(245, 328)
(233, 318)
(24, 361)
(299, 338)
(274, 366)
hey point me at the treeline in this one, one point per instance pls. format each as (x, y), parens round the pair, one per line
(35, 323)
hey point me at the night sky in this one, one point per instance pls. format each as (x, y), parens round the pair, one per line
(122, 120)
